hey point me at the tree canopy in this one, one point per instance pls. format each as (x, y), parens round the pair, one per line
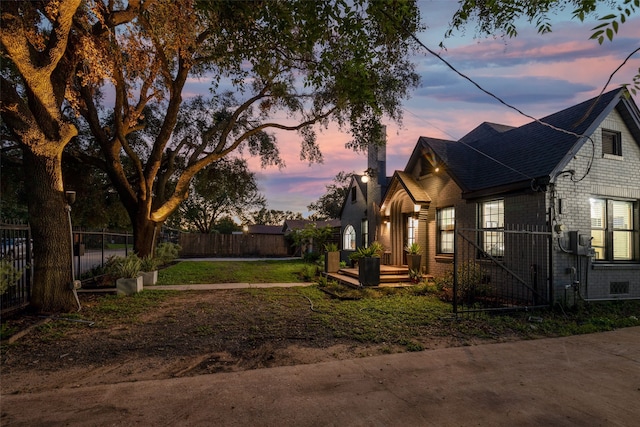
(500, 17)
(123, 66)
(329, 205)
(224, 188)
(310, 63)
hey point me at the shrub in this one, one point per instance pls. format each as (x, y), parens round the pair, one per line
(470, 282)
(331, 247)
(127, 267)
(311, 257)
(375, 249)
(9, 275)
(167, 252)
(308, 273)
(149, 264)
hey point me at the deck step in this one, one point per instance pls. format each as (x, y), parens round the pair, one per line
(390, 275)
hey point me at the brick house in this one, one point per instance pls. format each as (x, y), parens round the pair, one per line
(359, 215)
(574, 180)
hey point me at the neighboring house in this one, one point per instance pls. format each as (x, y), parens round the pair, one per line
(578, 187)
(292, 225)
(264, 229)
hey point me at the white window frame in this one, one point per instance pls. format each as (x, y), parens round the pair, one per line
(614, 234)
(349, 238)
(446, 222)
(491, 218)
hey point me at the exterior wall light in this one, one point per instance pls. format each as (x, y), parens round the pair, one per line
(368, 174)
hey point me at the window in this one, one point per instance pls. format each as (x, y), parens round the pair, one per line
(353, 194)
(446, 219)
(611, 143)
(412, 230)
(614, 230)
(365, 233)
(492, 218)
(349, 238)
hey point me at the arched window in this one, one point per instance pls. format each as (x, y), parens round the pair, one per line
(349, 238)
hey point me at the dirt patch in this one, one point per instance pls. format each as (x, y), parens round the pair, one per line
(189, 333)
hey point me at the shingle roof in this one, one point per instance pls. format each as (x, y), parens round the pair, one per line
(524, 153)
(415, 191)
(485, 130)
(264, 229)
(299, 224)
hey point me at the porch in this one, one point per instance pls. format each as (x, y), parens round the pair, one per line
(390, 276)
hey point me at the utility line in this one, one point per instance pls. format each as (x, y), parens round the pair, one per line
(506, 104)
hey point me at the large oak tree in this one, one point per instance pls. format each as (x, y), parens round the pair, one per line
(112, 61)
(41, 47)
(310, 62)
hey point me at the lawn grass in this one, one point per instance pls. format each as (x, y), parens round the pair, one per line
(201, 272)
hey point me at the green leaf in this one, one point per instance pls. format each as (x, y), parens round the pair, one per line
(609, 34)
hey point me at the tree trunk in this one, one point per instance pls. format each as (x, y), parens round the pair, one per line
(51, 231)
(144, 234)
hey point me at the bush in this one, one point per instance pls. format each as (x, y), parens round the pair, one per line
(470, 282)
(311, 257)
(149, 264)
(308, 273)
(127, 267)
(167, 252)
(9, 275)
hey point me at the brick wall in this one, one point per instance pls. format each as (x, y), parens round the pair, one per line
(609, 177)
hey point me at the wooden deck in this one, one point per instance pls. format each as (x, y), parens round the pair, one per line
(390, 276)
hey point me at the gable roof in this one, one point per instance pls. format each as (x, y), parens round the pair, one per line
(530, 154)
(358, 183)
(485, 130)
(404, 180)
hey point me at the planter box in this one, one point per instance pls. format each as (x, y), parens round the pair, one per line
(369, 271)
(129, 286)
(149, 277)
(413, 262)
(331, 262)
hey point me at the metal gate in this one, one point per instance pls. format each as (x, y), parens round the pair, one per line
(501, 269)
(15, 253)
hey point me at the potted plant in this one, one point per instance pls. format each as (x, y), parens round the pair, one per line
(415, 276)
(149, 270)
(369, 264)
(413, 256)
(128, 271)
(331, 258)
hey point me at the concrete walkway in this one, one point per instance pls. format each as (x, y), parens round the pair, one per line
(587, 380)
(214, 286)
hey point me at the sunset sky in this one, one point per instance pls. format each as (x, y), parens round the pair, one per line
(538, 74)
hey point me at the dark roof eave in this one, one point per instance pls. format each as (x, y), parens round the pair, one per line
(537, 184)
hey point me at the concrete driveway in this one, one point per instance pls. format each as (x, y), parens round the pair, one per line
(588, 380)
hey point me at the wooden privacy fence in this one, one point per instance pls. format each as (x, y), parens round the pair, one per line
(234, 245)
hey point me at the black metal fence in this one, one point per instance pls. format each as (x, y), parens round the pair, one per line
(501, 269)
(15, 253)
(91, 250)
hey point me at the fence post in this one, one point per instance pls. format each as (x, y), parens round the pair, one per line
(102, 249)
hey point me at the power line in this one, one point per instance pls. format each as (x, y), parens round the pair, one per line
(500, 100)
